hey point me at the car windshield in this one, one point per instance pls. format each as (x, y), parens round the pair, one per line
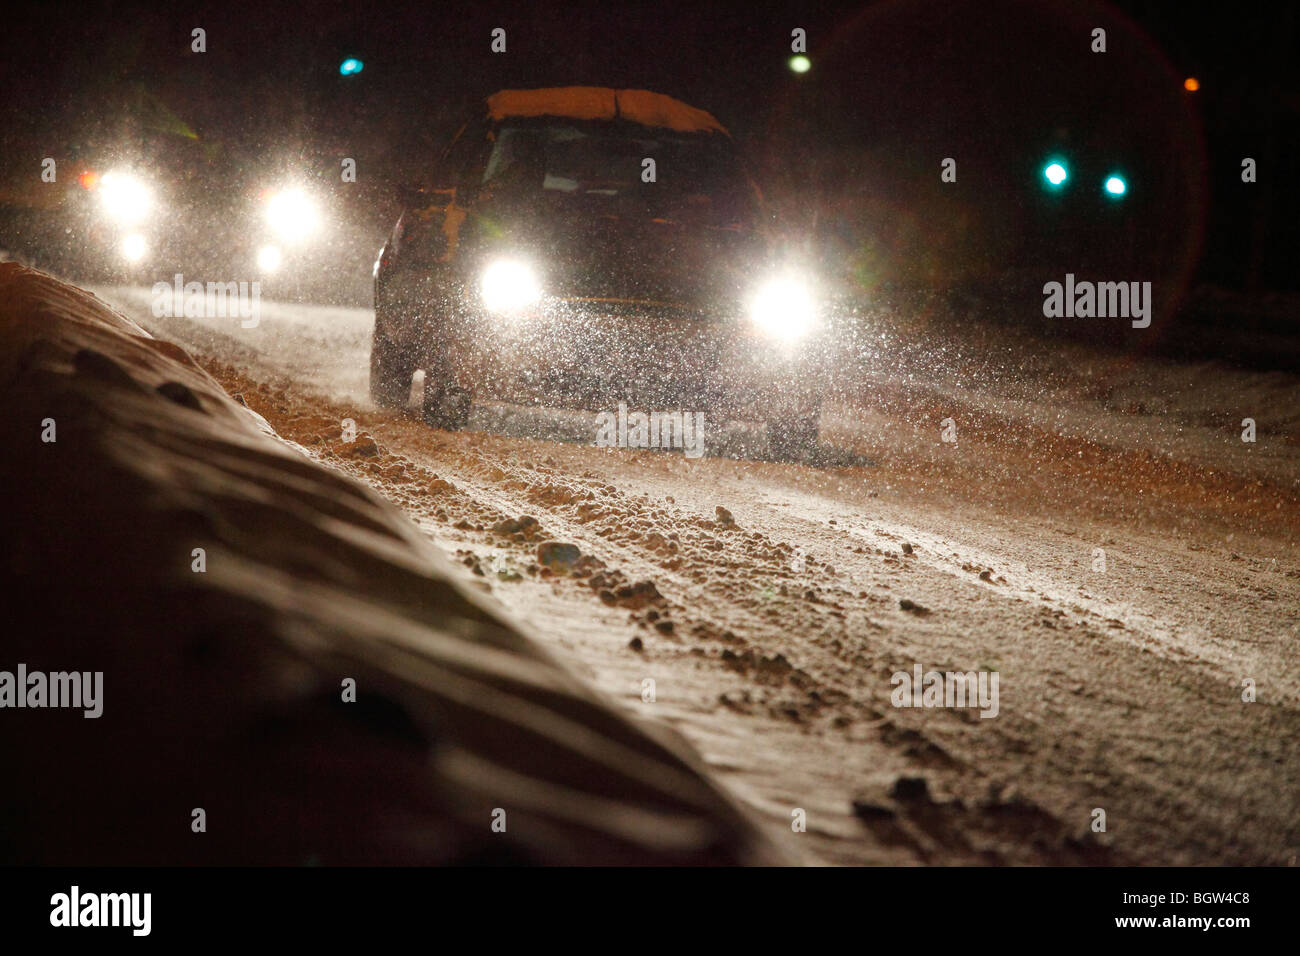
(696, 176)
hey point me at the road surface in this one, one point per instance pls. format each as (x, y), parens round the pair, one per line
(1098, 535)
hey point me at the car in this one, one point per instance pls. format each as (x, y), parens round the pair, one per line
(92, 225)
(598, 249)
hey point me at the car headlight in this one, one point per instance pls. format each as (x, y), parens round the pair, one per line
(268, 259)
(125, 199)
(292, 214)
(783, 308)
(134, 247)
(509, 285)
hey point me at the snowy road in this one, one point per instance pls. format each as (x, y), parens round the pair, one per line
(1098, 535)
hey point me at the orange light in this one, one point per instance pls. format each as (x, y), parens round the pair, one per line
(89, 179)
(1191, 84)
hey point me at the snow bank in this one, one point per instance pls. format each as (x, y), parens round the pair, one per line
(600, 103)
(223, 687)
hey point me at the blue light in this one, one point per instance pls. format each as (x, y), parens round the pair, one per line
(1055, 173)
(1116, 186)
(351, 66)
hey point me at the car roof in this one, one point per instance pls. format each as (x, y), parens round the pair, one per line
(603, 103)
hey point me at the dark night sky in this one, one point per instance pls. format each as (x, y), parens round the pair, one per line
(896, 86)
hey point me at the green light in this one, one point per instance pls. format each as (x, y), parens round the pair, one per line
(1055, 174)
(351, 66)
(1116, 186)
(800, 64)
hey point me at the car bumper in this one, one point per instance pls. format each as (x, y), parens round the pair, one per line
(600, 355)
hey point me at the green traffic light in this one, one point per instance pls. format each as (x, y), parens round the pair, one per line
(1056, 174)
(1116, 186)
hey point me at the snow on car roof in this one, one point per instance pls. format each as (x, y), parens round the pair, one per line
(602, 103)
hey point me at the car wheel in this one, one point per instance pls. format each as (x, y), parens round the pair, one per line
(391, 371)
(793, 439)
(445, 406)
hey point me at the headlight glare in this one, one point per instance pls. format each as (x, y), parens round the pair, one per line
(134, 247)
(125, 198)
(783, 308)
(509, 285)
(268, 259)
(292, 214)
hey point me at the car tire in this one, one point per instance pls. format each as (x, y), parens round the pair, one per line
(445, 406)
(793, 439)
(391, 371)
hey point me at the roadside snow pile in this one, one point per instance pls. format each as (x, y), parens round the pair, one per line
(235, 597)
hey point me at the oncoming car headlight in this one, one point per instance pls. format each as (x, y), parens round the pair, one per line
(134, 247)
(509, 285)
(783, 308)
(269, 258)
(126, 199)
(292, 214)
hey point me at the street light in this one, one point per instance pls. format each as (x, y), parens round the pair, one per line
(1056, 174)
